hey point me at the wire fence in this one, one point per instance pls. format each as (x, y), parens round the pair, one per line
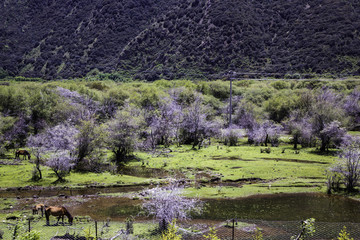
(278, 230)
(87, 229)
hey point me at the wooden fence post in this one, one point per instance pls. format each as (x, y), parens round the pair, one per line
(96, 236)
(233, 229)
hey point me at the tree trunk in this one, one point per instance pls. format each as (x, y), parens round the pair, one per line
(120, 155)
(296, 141)
(266, 140)
(323, 144)
(60, 179)
(162, 225)
(39, 170)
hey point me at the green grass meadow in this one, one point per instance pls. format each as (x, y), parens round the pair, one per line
(216, 171)
(282, 170)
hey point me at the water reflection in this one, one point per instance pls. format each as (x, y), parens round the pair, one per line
(277, 207)
(286, 207)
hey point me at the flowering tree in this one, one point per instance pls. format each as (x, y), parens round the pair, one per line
(352, 107)
(244, 117)
(38, 149)
(231, 135)
(299, 128)
(61, 163)
(332, 133)
(84, 107)
(325, 110)
(195, 127)
(15, 134)
(348, 166)
(167, 204)
(59, 143)
(162, 125)
(267, 132)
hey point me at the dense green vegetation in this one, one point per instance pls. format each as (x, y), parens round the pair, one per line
(32, 108)
(212, 164)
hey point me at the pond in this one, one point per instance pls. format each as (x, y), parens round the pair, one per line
(286, 207)
(277, 207)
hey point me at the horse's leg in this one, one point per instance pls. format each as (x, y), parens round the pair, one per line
(47, 218)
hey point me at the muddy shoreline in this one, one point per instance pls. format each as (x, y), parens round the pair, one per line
(36, 192)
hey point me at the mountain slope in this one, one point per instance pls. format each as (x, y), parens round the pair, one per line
(251, 36)
(50, 38)
(170, 39)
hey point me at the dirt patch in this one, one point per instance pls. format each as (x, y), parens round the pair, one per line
(295, 186)
(312, 177)
(294, 160)
(252, 180)
(144, 172)
(232, 158)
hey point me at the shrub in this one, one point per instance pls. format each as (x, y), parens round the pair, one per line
(257, 234)
(32, 235)
(307, 229)
(280, 85)
(170, 233)
(212, 234)
(343, 235)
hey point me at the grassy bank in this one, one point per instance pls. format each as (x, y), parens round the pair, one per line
(215, 171)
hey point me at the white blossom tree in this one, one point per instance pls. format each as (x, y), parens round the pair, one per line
(167, 204)
(232, 134)
(348, 166)
(59, 144)
(267, 132)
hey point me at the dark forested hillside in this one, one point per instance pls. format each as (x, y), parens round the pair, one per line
(169, 39)
(49, 38)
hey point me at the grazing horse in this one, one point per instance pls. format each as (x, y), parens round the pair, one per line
(59, 212)
(22, 152)
(38, 207)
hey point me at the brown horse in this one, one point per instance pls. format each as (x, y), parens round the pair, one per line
(38, 207)
(22, 152)
(59, 212)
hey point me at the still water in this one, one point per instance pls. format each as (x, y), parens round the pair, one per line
(278, 207)
(286, 207)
